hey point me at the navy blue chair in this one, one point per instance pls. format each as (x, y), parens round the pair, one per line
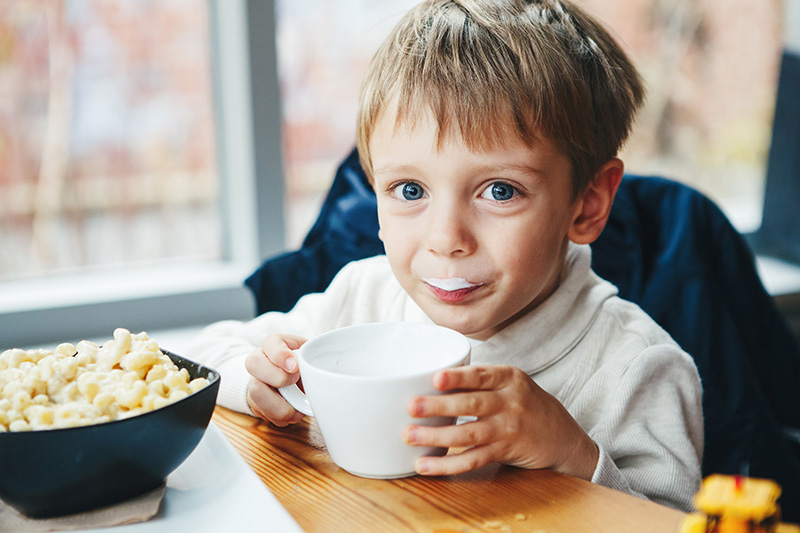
(667, 248)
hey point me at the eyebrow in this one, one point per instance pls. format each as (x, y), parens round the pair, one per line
(488, 168)
(395, 169)
(523, 169)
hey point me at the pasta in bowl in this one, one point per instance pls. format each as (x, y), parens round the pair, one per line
(86, 426)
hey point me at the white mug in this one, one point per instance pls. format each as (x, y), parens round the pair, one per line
(358, 382)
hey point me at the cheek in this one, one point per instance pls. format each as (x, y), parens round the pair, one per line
(534, 252)
(384, 225)
(396, 231)
(398, 241)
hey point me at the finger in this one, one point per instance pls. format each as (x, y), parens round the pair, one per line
(279, 350)
(489, 377)
(268, 404)
(262, 369)
(459, 463)
(471, 434)
(479, 403)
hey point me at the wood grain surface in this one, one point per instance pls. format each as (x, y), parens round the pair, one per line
(294, 464)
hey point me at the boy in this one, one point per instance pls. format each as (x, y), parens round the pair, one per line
(489, 130)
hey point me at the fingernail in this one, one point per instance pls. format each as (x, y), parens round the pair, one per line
(411, 435)
(415, 406)
(290, 364)
(422, 466)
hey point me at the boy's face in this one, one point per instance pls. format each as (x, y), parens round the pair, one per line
(476, 239)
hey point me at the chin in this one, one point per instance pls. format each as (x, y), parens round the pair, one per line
(465, 326)
(465, 319)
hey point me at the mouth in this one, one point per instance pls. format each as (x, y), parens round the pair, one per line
(451, 290)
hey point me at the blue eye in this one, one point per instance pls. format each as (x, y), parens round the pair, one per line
(409, 191)
(499, 192)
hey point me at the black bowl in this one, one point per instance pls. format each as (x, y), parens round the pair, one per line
(64, 471)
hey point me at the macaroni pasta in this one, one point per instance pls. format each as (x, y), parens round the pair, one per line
(88, 384)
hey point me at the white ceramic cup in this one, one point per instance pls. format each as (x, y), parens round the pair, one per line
(358, 382)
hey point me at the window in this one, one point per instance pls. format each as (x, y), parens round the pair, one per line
(128, 165)
(108, 136)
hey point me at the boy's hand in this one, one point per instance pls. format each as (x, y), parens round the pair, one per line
(518, 423)
(271, 367)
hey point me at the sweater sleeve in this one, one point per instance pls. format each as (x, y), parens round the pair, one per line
(650, 429)
(225, 345)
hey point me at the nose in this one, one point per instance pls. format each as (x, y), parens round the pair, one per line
(450, 230)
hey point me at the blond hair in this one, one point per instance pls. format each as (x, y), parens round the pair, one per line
(485, 69)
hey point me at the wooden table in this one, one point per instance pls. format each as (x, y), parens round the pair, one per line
(294, 464)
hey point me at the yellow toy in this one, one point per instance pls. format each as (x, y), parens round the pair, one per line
(737, 504)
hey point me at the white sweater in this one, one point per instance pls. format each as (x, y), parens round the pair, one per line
(621, 376)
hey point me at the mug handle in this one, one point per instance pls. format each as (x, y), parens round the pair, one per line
(296, 399)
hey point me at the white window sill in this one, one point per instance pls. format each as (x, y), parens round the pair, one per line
(114, 285)
(92, 305)
(780, 278)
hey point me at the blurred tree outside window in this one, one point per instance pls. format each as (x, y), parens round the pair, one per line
(710, 67)
(107, 153)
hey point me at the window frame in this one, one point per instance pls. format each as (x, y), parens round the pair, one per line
(246, 100)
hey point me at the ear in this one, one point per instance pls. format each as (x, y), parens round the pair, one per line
(594, 205)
